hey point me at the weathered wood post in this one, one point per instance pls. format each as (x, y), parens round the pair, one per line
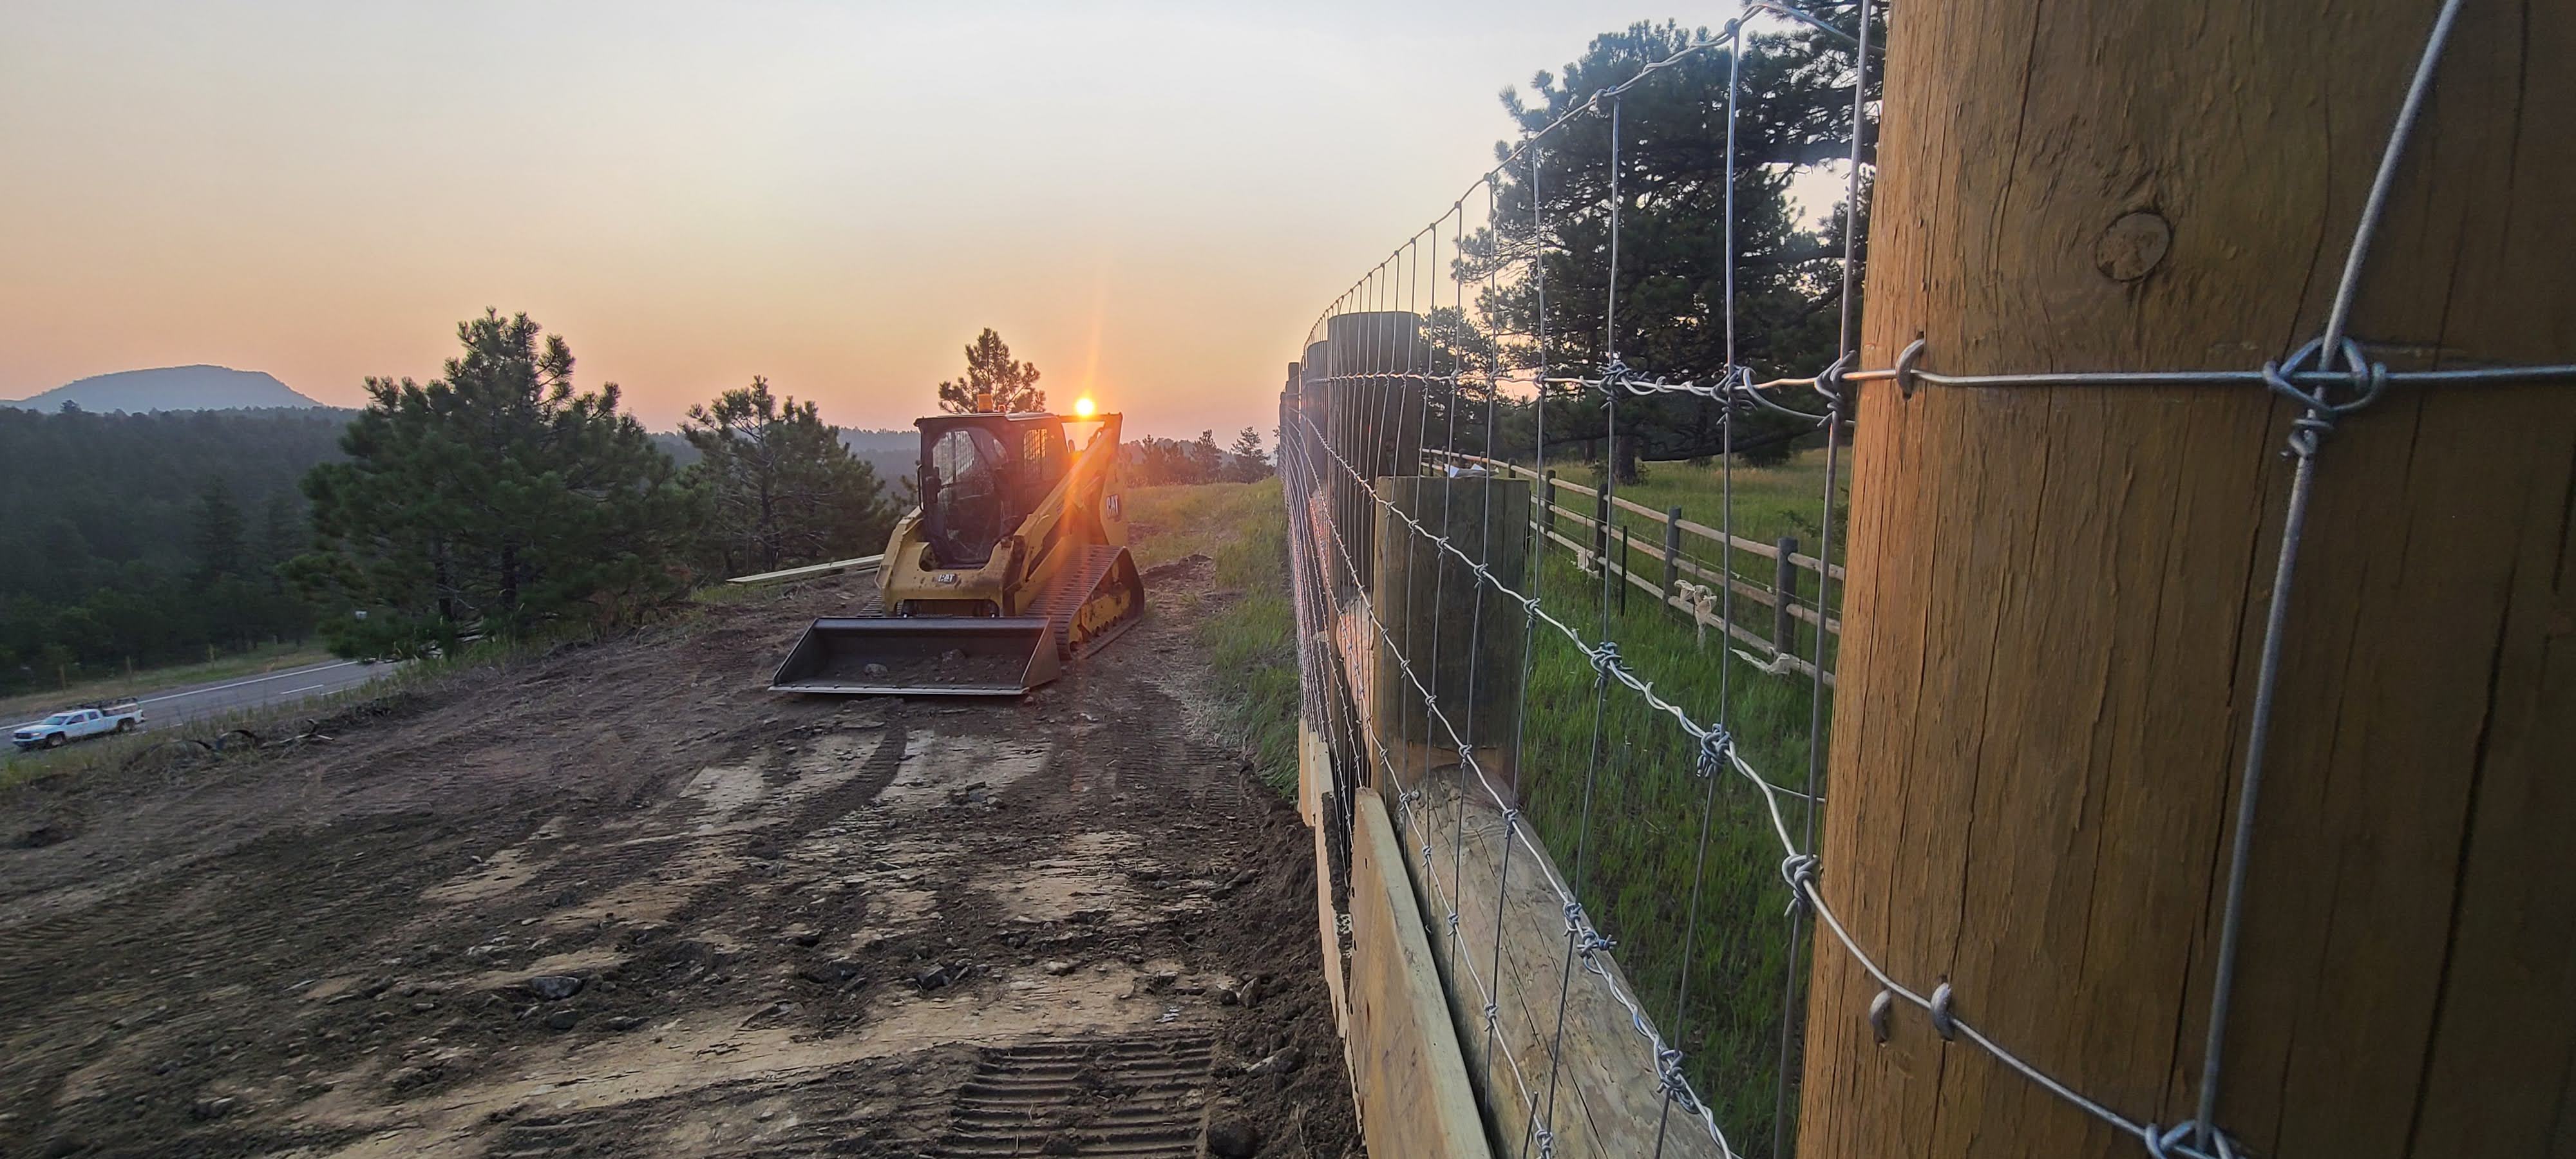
(1427, 598)
(1624, 557)
(1601, 523)
(1547, 502)
(1784, 596)
(1672, 551)
(2057, 594)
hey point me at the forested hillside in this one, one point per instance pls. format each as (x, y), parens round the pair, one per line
(145, 538)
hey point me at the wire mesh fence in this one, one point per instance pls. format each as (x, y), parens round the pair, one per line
(1595, 700)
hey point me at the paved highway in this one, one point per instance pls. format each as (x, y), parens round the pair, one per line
(268, 690)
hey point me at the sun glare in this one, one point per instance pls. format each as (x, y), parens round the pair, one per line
(1082, 407)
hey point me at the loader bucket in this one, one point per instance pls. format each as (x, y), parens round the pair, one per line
(920, 656)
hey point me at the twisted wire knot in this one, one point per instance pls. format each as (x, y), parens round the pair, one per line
(2366, 379)
(1713, 750)
(1605, 659)
(2167, 1142)
(1493, 1014)
(1799, 870)
(1829, 381)
(1668, 1066)
(1546, 1144)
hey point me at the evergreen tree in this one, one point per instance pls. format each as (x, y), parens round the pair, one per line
(281, 537)
(781, 487)
(1793, 113)
(114, 536)
(1249, 458)
(494, 499)
(989, 369)
(220, 550)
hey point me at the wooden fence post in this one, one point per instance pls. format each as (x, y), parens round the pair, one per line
(2057, 596)
(1601, 522)
(1784, 594)
(1547, 502)
(1624, 557)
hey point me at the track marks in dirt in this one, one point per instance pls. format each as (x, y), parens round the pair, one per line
(1141, 1096)
(799, 926)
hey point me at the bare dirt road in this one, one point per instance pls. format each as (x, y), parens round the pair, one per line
(620, 901)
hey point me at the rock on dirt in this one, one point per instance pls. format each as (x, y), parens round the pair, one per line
(1232, 1135)
(554, 987)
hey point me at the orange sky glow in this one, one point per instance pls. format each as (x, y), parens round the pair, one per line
(1149, 201)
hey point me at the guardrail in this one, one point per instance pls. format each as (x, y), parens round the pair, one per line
(1687, 585)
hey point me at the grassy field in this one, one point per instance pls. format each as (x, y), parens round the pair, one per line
(1769, 501)
(270, 658)
(1252, 636)
(1698, 917)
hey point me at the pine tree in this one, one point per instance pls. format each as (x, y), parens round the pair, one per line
(281, 536)
(220, 549)
(494, 499)
(781, 487)
(1249, 458)
(1794, 109)
(989, 369)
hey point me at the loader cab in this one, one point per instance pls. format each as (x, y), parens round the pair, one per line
(981, 474)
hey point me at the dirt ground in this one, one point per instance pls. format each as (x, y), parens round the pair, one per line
(622, 901)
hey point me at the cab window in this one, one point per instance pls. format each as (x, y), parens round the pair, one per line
(964, 478)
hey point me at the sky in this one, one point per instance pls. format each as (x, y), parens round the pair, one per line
(1149, 201)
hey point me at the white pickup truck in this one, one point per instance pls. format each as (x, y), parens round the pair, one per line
(73, 724)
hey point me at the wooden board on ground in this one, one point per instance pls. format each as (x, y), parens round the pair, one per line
(1414, 1097)
(1608, 1097)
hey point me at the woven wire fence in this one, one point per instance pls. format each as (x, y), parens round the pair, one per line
(1611, 822)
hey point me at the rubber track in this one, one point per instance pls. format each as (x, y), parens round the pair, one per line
(1072, 588)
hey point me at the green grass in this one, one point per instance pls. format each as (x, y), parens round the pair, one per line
(1250, 630)
(266, 658)
(1769, 501)
(1637, 862)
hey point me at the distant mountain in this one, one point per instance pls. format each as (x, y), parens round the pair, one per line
(170, 388)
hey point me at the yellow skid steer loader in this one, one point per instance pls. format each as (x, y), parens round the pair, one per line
(1014, 565)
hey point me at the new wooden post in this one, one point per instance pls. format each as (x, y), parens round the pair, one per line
(2057, 595)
